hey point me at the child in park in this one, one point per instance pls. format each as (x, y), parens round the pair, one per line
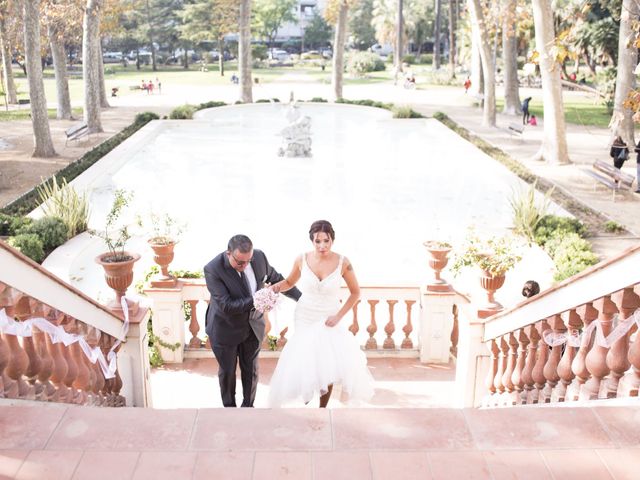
(467, 85)
(533, 121)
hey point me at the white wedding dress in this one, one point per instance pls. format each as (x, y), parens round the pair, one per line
(317, 355)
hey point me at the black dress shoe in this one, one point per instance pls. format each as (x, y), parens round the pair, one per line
(637, 191)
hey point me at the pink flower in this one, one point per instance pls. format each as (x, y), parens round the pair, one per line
(265, 300)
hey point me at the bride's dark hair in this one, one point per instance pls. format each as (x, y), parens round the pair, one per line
(321, 226)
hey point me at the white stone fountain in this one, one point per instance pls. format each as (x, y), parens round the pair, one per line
(296, 137)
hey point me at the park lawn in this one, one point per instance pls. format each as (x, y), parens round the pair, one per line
(577, 110)
(25, 114)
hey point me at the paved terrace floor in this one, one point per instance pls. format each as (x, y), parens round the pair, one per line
(520, 443)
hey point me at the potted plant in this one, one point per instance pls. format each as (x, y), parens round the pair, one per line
(117, 262)
(164, 234)
(494, 256)
(438, 259)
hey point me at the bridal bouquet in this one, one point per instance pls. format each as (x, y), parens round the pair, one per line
(265, 300)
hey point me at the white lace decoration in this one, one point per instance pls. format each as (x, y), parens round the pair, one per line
(574, 339)
(57, 334)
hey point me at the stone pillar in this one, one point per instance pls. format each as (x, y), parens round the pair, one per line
(473, 362)
(436, 323)
(133, 362)
(168, 321)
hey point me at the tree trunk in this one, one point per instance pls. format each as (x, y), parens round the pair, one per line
(244, 52)
(554, 143)
(338, 51)
(62, 78)
(489, 100)
(7, 70)
(43, 145)
(185, 59)
(436, 36)
(477, 78)
(221, 55)
(510, 59)
(397, 57)
(622, 121)
(91, 65)
(452, 38)
(104, 101)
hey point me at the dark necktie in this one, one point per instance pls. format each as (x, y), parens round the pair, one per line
(245, 280)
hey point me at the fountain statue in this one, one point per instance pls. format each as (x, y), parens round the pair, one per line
(297, 135)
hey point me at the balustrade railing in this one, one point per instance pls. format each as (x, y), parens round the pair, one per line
(58, 345)
(576, 341)
(384, 319)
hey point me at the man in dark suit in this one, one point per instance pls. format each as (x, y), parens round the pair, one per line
(235, 328)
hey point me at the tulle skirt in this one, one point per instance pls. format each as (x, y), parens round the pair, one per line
(315, 357)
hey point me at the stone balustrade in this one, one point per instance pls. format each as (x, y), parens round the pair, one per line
(387, 321)
(576, 341)
(56, 343)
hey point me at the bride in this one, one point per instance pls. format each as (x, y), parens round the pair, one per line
(322, 351)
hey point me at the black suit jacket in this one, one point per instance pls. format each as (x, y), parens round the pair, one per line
(230, 314)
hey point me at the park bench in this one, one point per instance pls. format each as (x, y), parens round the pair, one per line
(516, 129)
(611, 177)
(76, 131)
(23, 101)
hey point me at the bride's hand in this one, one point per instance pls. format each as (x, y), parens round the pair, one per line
(332, 321)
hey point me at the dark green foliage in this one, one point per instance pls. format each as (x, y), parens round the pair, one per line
(553, 226)
(183, 112)
(409, 59)
(210, 104)
(52, 231)
(259, 51)
(366, 103)
(30, 245)
(360, 63)
(318, 100)
(30, 200)
(5, 224)
(427, 59)
(405, 112)
(145, 117)
(262, 100)
(9, 225)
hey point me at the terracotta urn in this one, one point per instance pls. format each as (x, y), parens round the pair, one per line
(118, 275)
(438, 259)
(491, 283)
(163, 256)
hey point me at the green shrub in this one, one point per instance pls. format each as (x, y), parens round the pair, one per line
(18, 223)
(145, 117)
(318, 100)
(571, 255)
(30, 245)
(425, 58)
(259, 52)
(5, 225)
(263, 100)
(409, 59)
(405, 112)
(360, 63)
(52, 231)
(527, 214)
(553, 225)
(183, 112)
(210, 104)
(64, 202)
(613, 227)
(366, 103)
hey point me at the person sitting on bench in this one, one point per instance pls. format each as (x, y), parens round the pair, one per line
(619, 152)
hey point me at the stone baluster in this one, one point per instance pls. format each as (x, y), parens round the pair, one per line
(59, 371)
(34, 364)
(93, 337)
(630, 383)
(116, 386)
(42, 374)
(354, 327)
(207, 343)
(81, 381)
(407, 343)
(512, 355)
(372, 328)
(282, 340)
(491, 374)
(6, 384)
(627, 301)
(573, 323)
(588, 314)
(521, 356)
(390, 327)
(109, 383)
(454, 332)
(17, 368)
(541, 360)
(596, 360)
(72, 366)
(529, 392)
(194, 325)
(503, 346)
(550, 370)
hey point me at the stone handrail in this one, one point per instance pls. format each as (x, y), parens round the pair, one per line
(55, 343)
(574, 341)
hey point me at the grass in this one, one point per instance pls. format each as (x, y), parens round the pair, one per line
(25, 113)
(577, 110)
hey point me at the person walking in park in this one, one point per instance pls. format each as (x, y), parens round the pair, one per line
(637, 150)
(467, 84)
(525, 110)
